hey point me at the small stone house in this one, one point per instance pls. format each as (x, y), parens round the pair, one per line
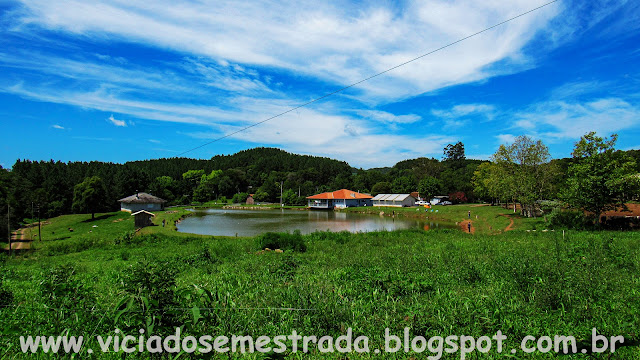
(141, 201)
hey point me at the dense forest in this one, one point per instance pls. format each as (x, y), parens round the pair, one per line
(52, 188)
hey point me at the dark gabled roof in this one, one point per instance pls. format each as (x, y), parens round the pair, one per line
(142, 198)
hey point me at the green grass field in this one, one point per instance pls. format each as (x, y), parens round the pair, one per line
(95, 279)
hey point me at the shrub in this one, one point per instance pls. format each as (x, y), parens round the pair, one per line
(6, 296)
(239, 198)
(283, 241)
(458, 197)
(149, 299)
(567, 219)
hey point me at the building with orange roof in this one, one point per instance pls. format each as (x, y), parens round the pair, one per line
(339, 199)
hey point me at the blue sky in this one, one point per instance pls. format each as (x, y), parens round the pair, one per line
(129, 80)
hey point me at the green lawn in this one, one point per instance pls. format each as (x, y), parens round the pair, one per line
(443, 282)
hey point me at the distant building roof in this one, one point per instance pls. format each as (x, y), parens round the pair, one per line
(142, 198)
(340, 194)
(391, 197)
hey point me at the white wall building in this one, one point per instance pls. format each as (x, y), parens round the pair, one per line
(397, 200)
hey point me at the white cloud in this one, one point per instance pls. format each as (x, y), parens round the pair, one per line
(462, 110)
(56, 126)
(155, 141)
(560, 120)
(117, 122)
(461, 115)
(387, 117)
(339, 42)
(506, 138)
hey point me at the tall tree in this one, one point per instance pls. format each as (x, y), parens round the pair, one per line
(602, 178)
(90, 196)
(454, 152)
(525, 171)
(429, 187)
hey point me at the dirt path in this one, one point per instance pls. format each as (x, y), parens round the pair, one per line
(465, 227)
(19, 241)
(510, 226)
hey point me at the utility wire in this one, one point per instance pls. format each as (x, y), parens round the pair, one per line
(367, 79)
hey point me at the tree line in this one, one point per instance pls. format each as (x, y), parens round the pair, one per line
(596, 178)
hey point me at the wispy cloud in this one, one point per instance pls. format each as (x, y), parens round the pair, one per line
(387, 117)
(460, 115)
(506, 138)
(155, 141)
(117, 122)
(92, 138)
(56, 126)
(224, 65)
(560, 120)
(341, 43)
(464, 110)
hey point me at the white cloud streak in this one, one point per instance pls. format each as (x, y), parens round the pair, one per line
(561, 120)
(116, 122)
(338, 42)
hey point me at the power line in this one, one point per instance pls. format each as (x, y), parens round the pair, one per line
(367, 79)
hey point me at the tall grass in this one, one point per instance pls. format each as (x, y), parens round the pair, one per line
(435, 283)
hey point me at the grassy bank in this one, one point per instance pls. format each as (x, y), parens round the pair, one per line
(489, 220)
(435, 283)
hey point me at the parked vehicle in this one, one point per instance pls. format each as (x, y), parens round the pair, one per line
(445, 203)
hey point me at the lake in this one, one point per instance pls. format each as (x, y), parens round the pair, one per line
(222, 222)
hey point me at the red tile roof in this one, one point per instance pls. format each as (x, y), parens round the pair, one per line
(340, 194)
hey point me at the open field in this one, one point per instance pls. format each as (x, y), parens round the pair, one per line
(96, 279)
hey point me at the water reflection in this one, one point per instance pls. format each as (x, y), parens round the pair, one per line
(252, 222)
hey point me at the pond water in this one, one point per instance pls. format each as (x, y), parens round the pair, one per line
(221, 222)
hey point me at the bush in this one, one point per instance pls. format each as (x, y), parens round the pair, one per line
(283, 241)
(568, 219)
(239, 198)
(6, 296)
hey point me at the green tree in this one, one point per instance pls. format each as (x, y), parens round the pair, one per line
(207, 186)
(193, 179)
(521, 173)
(602, 178)
(239, 198)
(289, 197)
(383, 187)
(454, 152)
(429, 187)
(89, 196)
(404, 185)
(163, 186)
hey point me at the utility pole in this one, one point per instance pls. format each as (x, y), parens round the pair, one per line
(9, 226)
(31, 225)
(39, 228)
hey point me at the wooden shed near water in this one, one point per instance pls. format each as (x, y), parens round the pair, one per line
(143, 218)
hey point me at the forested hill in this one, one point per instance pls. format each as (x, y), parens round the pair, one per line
(179, 180)
(261, 160)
